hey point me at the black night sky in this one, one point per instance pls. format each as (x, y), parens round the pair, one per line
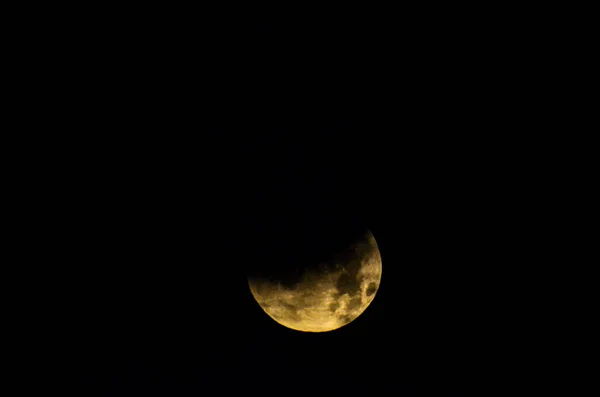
(164, 304)
(180, 185)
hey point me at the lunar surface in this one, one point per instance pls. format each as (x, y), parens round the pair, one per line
(328, 296)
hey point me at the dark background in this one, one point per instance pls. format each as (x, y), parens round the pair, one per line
(187, 155)
(162, 293)
(164, 242)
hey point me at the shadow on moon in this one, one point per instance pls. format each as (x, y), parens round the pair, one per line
(323, 287)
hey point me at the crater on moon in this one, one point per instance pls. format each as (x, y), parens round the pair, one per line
(326, 296)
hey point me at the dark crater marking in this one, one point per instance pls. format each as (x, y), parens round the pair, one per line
(371, 289)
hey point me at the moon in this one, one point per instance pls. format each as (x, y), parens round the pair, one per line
(327, 296)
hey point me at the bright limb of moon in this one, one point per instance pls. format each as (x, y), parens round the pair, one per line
(327, 298)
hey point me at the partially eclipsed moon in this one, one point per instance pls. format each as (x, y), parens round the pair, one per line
(327, 298)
